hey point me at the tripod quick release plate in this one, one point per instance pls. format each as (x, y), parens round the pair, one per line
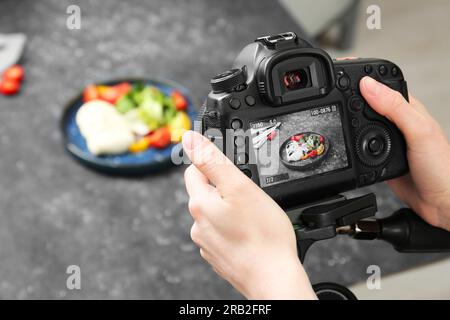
(319, 222)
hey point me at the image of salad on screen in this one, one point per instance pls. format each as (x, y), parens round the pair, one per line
(310, 142)
(131, 118)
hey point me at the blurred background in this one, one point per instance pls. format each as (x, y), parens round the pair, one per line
(130, 236)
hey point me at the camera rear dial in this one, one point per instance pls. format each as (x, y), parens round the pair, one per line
(373, 144)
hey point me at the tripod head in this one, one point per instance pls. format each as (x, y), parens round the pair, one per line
(404, 229)
(323, 221)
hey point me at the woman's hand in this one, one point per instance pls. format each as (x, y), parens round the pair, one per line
(245, 236)
(426, 189)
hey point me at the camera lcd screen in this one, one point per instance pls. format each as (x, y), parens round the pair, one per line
(299, 145)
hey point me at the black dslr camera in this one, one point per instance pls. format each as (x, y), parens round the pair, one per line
(295, 122)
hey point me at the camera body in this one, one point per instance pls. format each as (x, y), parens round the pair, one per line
(295, 122)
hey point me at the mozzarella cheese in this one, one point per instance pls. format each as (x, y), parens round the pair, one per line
(105, 130)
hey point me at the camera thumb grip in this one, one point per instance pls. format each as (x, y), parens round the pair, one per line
(407, 232)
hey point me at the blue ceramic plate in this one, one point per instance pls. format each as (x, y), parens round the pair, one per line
(148, 161)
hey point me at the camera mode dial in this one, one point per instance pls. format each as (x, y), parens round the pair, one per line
(229, 80)
(373, 145)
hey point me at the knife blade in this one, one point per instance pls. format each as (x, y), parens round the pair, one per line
(11, 49)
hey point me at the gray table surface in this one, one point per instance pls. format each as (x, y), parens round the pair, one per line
(130, 237)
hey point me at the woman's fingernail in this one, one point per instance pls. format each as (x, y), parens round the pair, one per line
(191, 140)
(372, 86)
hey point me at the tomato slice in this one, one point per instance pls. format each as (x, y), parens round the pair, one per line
(312, 153)
(160, 138)
(90, 93)
(113, 93)
(179, 100)
(122, 88)
(109, 94)
(297, 137)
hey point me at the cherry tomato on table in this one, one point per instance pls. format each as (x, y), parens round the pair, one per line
(9, 87)
(15, 73)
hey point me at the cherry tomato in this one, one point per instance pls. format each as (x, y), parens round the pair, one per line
(15, 73)
(179, 100)
(160, 138)
(9, 87)
(312, 154)
(322, 139)
(90, 93)
(109, 94)
(297, 138)
(123, 88)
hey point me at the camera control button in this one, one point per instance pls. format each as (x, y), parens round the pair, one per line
(368, 69)
(247, 172)
(236, 124)
(370, 113)
(368, 178)
(241, 158)
(239, 141)
(250, 100)
(375, 146)
(235, 103)
(343, 82)
(355, 123)
(362, 180)
(394, 71)
(229, 80)
(356, 104)
(371, 176)
(382, 70)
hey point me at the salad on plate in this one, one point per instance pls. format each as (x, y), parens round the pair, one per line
(130, 117)
(305, 146)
